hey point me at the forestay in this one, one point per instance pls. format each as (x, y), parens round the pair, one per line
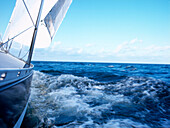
(22, 23)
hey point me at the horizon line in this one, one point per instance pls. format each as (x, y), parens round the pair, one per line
(99, 62)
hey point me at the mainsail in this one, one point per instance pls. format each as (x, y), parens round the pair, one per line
(22, 23)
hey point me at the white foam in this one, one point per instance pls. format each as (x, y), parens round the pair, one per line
(52, 96)
(124, 123)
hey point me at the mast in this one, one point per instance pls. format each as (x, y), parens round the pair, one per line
(35, 34)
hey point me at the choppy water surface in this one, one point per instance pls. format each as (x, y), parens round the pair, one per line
(99, 95)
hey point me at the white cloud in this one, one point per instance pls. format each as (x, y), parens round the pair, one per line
(72, 51)
(135, 41)
(57, 43)
(128, 47)
(121, 46)
(69, 51)
(129, 51)
(154, 50)
(137, 50)
(80, 51)
(158, 48)
(89, 45)
(54, 46)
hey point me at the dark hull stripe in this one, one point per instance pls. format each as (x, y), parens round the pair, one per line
(15, 83)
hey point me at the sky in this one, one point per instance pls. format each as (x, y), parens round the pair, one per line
(120, 31)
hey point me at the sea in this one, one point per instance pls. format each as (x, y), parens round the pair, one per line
(99, 95)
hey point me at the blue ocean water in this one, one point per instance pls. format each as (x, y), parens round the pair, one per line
(99, 95)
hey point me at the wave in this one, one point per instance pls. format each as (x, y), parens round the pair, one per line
(72, 101)
(51, 71)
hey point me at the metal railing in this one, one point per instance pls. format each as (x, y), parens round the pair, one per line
(10, 75)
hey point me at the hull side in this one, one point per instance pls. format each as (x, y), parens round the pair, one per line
(13, 101)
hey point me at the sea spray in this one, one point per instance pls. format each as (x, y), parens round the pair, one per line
(70, 101)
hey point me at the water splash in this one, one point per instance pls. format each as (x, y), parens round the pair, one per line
(71, 101)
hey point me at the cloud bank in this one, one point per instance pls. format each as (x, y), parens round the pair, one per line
(133, 51)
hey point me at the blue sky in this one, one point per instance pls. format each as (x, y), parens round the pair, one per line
(135, 31)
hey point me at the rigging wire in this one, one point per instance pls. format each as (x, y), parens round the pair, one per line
(25, 54)
(15, 36)
(28, 12)
(10, 45)
(20, 51)
(1, 44)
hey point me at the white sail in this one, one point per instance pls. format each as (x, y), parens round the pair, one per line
(51, 23)
(22, 23)
(56, 16)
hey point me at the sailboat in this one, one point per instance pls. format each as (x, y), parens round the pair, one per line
(33, 24)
